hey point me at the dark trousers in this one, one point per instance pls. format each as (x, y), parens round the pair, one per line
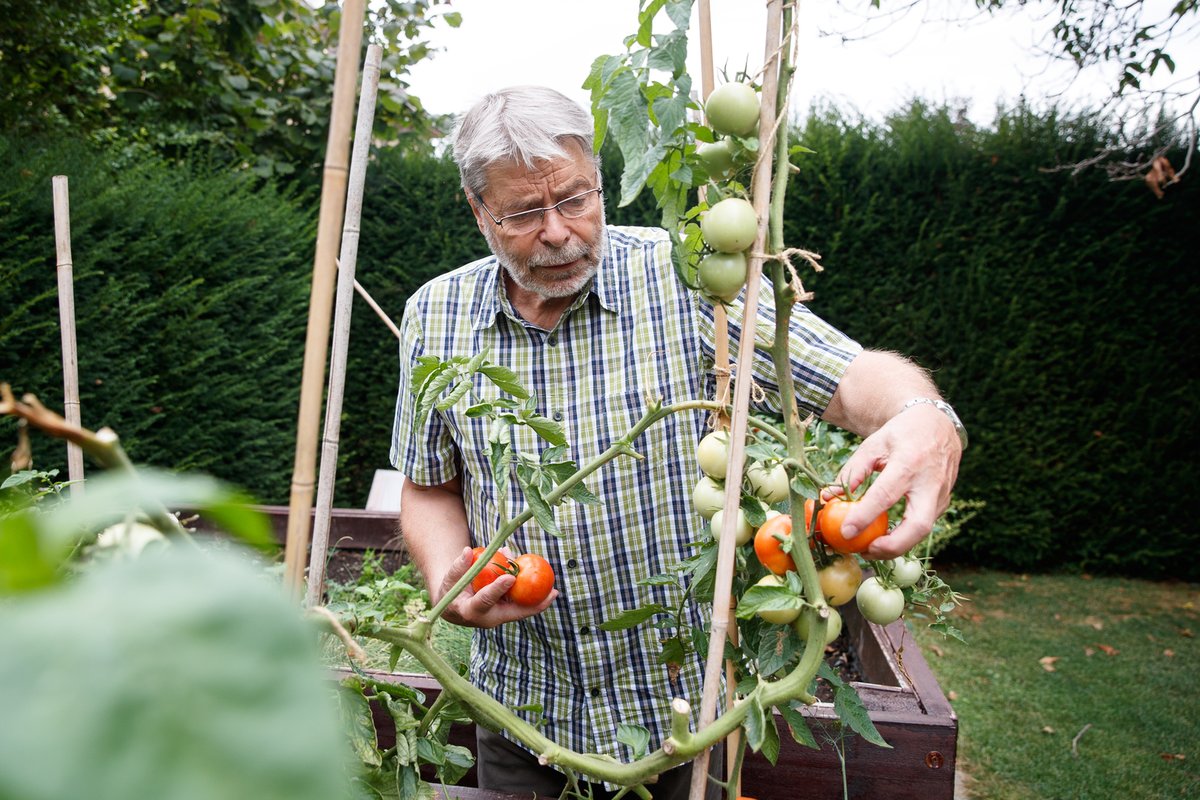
(507, 767)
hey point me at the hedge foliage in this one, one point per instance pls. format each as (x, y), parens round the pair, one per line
(1055, 311)
(191, 289)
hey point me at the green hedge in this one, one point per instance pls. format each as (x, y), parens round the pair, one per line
(191, 291)
(1054, 310)
(1057, 312)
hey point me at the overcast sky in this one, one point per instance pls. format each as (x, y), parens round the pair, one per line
(977, 61)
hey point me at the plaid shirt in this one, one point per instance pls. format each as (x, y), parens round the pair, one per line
(637, 332)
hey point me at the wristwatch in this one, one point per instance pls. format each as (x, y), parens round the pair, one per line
(946, 409)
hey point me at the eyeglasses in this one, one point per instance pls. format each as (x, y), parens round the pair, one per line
(573, 207)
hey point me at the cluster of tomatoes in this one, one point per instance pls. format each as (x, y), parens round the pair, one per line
(730, 226)
(879, 597)
(535, 576)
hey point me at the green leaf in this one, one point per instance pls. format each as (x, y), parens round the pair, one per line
(505, 380)
(457, 761)
(850, 709)
(633, 617)
(755, 724)
(583, 495)
(462, 385)
(797, 723)
(767, 598)
(770, 740)
(673, 651)
(180, 664)
(547, 429)
(635, 736)
(542, 512)
(777, 647)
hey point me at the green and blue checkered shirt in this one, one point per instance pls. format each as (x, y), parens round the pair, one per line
(636, 333)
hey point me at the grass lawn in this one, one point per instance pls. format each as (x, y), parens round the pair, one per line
(1073, 686)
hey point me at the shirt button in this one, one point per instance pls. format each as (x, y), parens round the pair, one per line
(595, 692)
(572, 563)
(558, 416)
(552, 339)
(585, 630)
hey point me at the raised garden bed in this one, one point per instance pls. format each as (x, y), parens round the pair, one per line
(897, 687)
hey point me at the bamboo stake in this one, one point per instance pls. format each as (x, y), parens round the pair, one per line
(316, 343)
(721, 365)
(66, 315)
(341, 324)
(761, 191)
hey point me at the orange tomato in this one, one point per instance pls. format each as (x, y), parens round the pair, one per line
(829, 522)
(768, 544)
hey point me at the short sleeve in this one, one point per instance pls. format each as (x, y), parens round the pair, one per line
(819, 352)
(423, 450)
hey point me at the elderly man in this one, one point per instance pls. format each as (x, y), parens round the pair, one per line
(594, 321)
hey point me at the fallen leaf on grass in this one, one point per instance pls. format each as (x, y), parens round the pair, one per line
(1186, 632)
(1047, 729)
(951, 695)
(1109, 650)
(1047, 662)
(1169, 653)
(1172, 756)
(1087, 651)
(1094, 622)
(937, 651)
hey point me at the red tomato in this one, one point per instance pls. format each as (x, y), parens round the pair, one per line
(829, 522)
(767, 544)
(535, 579)
(498, 566)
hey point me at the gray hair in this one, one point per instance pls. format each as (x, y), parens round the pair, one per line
(522, 124)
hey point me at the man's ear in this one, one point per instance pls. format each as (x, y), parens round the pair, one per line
(476, 210)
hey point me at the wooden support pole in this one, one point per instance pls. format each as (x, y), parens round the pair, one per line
(341, 325)
(66, 316)
(761, 193)
(316, 343)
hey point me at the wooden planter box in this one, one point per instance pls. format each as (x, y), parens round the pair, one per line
(899, 691)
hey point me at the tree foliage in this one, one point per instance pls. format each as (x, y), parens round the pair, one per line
(250, 79)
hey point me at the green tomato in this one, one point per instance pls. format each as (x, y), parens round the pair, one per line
(781, 616)
(742, 530)
(713, 454)
(708, 497)
(906, 571)
(723, 275)
(730, 226)
(717, 157)
(732, 108)
(832, 631)
(878, 603)
(768, 484)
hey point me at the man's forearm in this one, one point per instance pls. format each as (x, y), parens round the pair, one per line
(433, 522)
(874, 389)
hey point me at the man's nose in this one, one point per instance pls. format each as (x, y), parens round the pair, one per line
(554, 231)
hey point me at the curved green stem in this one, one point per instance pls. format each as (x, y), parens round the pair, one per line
(494, 715)
(622, 446)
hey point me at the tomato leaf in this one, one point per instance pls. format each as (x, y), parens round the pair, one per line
(850, 709)
(673, 651)
(798, 725)
(457, 761)
(358, 722)
(635, 737)
(541, 510)
(767, 598)
(547, 428)
(633, 617)
(505, 380)
(755, 724)
(770, 742)
(777, 647)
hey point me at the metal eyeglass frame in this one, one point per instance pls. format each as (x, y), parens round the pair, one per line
(540, 212)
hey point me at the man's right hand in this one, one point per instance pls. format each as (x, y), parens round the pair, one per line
(488, 607)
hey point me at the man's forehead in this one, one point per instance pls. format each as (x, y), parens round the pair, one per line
(517, 181)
